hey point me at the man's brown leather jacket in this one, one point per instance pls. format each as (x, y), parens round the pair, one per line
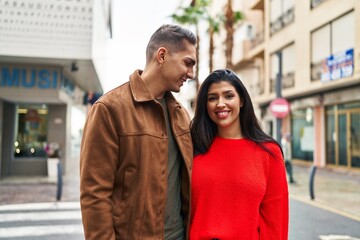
(123, 163)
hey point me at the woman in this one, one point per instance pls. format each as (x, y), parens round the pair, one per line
(239, 188)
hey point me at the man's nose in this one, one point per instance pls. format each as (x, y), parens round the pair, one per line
(190, 73)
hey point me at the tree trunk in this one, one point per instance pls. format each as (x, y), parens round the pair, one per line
(197, 58)
(211, 49)
(229, 27)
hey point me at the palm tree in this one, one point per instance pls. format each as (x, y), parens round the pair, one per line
(228, 21)
(231, 18)
(214, 27)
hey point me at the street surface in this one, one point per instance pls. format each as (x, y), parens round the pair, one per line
(309, 222)
(62, 221)
(41, 221)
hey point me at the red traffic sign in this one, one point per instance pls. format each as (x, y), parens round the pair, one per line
(280, 107)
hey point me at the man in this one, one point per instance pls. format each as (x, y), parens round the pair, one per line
(136, 152)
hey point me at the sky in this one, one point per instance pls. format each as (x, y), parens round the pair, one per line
(133, 23)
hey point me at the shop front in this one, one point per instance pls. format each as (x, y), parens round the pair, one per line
(325, 129)
(36, 105)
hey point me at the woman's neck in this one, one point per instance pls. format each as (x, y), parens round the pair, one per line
(230, 133)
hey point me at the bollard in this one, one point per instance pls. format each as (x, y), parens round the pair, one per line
(59, 181)
(311, 182)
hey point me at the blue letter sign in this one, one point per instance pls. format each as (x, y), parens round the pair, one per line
(340, 65)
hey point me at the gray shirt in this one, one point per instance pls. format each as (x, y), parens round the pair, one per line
(174, 225)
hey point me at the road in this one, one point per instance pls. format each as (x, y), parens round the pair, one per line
(41, 221)
(62, 221)
(309, 222)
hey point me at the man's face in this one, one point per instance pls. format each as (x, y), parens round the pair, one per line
(178, 67)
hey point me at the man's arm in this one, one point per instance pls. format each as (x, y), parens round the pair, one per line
(98, 164)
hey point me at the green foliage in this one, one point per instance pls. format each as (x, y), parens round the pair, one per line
(216, 22)
(192, 14)
(238, 16)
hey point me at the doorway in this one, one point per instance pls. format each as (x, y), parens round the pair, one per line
(343, 135)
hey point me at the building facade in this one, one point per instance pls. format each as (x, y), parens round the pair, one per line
(311, 49)
(52, 53)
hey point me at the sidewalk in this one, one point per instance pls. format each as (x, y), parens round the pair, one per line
(14, 190)
(333, 190)
(336, 191)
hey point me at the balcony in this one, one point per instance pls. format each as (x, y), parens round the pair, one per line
(316, 70)
(288, 81)
(258, 39)
(315, 3)
(282, 21)
(257, 5)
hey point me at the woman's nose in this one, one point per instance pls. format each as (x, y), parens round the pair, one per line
(220, 104)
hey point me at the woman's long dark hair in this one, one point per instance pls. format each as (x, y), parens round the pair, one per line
(204, 130)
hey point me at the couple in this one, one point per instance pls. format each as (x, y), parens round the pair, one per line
(147, 173)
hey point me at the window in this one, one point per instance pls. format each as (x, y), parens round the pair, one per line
(288, 68)
(30, 130)
(302, 135)
(281, 14)
(335, 37)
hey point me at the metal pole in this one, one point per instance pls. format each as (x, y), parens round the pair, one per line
(59, 181)
(278, 95)
(311, 182)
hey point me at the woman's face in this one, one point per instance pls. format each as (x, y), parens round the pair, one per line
(223, 106)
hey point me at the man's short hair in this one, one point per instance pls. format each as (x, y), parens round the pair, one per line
(171, 37)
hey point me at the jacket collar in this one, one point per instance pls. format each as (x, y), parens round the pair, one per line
(138, 88)
(141, 93)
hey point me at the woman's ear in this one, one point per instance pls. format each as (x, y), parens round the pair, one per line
(241, 102)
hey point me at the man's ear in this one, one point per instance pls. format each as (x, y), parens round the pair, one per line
(161, 53)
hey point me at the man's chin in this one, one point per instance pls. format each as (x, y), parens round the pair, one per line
(176, 90)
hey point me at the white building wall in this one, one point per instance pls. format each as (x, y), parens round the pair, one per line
(46, 29)
(100, 37)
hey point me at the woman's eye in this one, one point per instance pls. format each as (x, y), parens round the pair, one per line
(211, 99)
(229, 96)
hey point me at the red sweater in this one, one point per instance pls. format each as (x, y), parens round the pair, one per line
(239, 191)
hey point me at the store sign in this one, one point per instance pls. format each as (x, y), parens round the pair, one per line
(340, 65)
(29, 78)
(280, 107)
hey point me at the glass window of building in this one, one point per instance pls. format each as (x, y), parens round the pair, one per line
(303, 134)
(343, 33)
(333, 38)
(343, 135)
(288, 55)
(281, 14)
(30, 130)
(288, 67)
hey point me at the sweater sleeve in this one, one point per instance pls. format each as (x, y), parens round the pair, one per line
(98, 161)
(274, 208)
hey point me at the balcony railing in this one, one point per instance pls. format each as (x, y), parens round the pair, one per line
(316, 69)
(288, 81)
(315, 3)
(258, 39)
(282, 21)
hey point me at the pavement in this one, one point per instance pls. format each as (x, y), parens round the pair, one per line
(334, 190)
(17, 190)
